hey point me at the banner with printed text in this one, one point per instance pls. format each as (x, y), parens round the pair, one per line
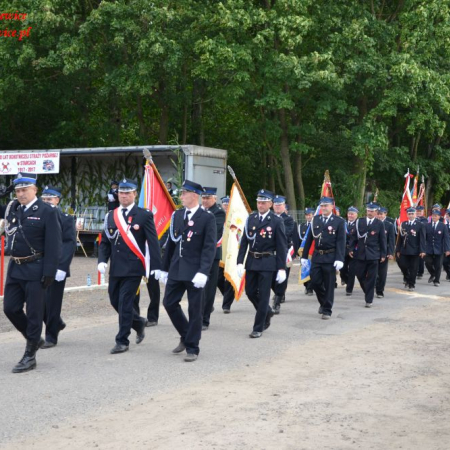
(11, 163)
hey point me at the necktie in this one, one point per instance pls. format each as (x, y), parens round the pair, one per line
(186, 218)
(260, 219)
(369, 221)
(324, 219)
(124, 213)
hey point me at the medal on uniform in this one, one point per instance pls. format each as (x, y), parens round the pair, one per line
(189, 235)
(269, 228)
(254, 228)
(111, 231)
(191, 223)
(35, 207)
(13, 221)
(136, 227)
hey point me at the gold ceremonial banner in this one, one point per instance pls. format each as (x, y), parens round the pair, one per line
(233, 230)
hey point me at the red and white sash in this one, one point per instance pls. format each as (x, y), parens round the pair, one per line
(129, 239)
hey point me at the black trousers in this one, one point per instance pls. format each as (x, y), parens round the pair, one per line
(52, 315)
(210, 291)
(434, 266)
(279, 289)
(17, 294)
(323, 279)
(366, 271)
(409, 265)
(421, 267)
(190, 330)
(122, 292)
(154, 292)
(348, 273)
(446, 265)
(308, 286)
(257, 288)
(382, 276)
(226, 289)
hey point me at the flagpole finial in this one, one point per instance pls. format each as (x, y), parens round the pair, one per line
(147, 155)
(232, 172)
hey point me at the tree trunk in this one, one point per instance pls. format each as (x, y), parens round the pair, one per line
(271, 174)
(286, 161)
(299, 179)
(361, 170)
(198, 134)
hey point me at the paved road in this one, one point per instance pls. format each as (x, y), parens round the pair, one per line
(80, 379)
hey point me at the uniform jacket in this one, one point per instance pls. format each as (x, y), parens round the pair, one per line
(196, 248)
(389, 230)
(124, 263)
(289, 226)
(438, 241)
(371, 241)
(219, 215)
(269, 236)
(329, 236)
(350, 238)
(412, 238)
(69, 241)
(42, 229)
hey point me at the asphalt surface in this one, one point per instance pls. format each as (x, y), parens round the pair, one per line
(80, 377)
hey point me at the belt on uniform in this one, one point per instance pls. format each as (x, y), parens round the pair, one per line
(258, 255)
(324, 252)
(26, 259)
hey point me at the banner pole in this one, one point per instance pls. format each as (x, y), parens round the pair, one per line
(2, 265)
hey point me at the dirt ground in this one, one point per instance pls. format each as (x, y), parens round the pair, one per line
(367, 379)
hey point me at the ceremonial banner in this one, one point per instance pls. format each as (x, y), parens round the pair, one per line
(237, 214)
(155, 197)
(422, 195)
(327, 191)
(12, 163)
(414, 189)
(406, 200)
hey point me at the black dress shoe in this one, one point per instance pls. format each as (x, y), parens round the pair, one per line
(62, 326)
(28, 361)
(119, 348)
(436, 283)
(320, 311)
(380, 295)
(283, 299)
(180, 348)
(190, 357)
(152, 323)
(419, 277)
(255, 334)
(226, 311)
(431, 279)
(48, 344)
(348, 294)
(269, 316)
(205, 327)
(140, 335)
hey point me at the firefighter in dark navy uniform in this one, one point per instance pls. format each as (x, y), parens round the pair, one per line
(225, 287)
(34, 242)
(302, 229)
(265, 239)
(348, 272)
(187, 262)
(328, 234)
(437, 246)
(420, 217)
(410, 247)
(389, 230)
(130, 241)
(370, 239)
(279, 208)
(54, 295)
(209, 204)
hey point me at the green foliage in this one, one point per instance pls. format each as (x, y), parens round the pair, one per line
(290, 88)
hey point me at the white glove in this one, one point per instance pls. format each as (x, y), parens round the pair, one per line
(156, 274)
(164, 276)
(60, 275)
(338, 264)
(304, 262)
(102, 267)
(240, 270)
(199, 280)
(281, 276)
